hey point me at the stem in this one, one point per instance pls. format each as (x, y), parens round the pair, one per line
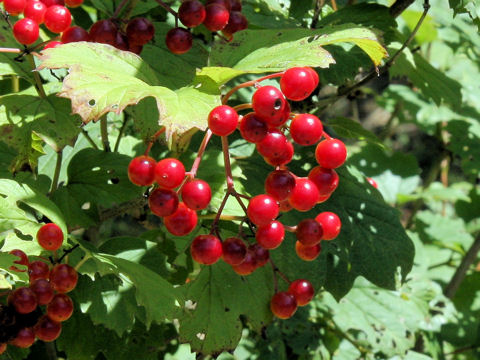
(89, 139)
(242, 107)
(56, 174)
(228, 166)
(334, 5)
(15, 83)
(50, 351)
(66, 252)
(222, 217)
(460, 273)
(220, 209)
(277, 270)
(318, 8)
(290, 228)
(119, 8)
(399, 6)
(81, 262)
(120, 133)
(11, 50)
(200, 152)
(36, 77)
(328, 137)
(37, 46)
(248, 83)
(153, 139)
(170, 10)
(104, 133)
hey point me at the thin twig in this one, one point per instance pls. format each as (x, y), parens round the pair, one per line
(36, 77)
(66, 252)
(56, 174)
(121, 131)
(11, 50)
(170, 10)
(153, 139)
(119, 8)
(89, 139)
(104, 133)
(318, 8)
(248, 83)
(200, 152)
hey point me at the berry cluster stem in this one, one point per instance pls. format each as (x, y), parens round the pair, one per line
(170, 10)
(228, 166)
(247, 84)
(104, 133)
(36, 77)
(200, 152)
(10, 50)
(242, 107)
(119, 8)
(153, 139)
(56, 174)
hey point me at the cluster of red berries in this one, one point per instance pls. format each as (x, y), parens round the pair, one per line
(274, 129)
(47, 289)
(57, 18)
(216, 15)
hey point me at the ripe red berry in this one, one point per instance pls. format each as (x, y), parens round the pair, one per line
(306, 129)
(169, 173)
(262, 209)
(57, 18)
(252, 128)
(236, 5)
(23, 259)
(372, 182)
(285, 206)
(226, 3)
(314, 75)
(23, 300)
(50, 237)
(196, 194)
(182, 221)
(260, 254)
(331, 153)
(141, 170)
(275, 147)
(14, 7)
(309, 232)
(163, 202)
(331, 224)
(60, 308)
(75, 34)
(304, 195)
(297, 83)
(136, 49)
(283, 305)
(73, 3)
(179, 40)
(216, 17)
(206, 249)
(223, 120)
(236, 22)
(269, 104)
(191, 13)
(270, 236)
(326, 180)
(283, 156)
(35, 10)
(233, 251)
(307, 253)
(47, 329)
(302, 290)
(140, 31)
(53, 2)
(63, 278)
(104, 32)
(26, 31)
(52, 44)
(24, 339)
(247, 266)
(38, 270)
(279, 184)
(43, 291)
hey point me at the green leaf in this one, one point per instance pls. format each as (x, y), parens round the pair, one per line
(464, 140)
(216, 299)
(351, 129)
(269, 14)
(470, 7)
(96, 86)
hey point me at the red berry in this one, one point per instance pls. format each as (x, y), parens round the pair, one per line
(43, 291)
(283, 156)
(104, 32)
(304, 195)
(226, 3)
(60, 308)
(269, 104)
(233, 251)
(306, 129)
(372, 182)
(247, 266)
(196, 194)
(35, 10)
(236, 5)
(270, 236)
(121, 42)
(331, 153)
(38, 270)
(75, 34)
(285, 206)
(52, 44)
(140, 31)
(262, 209)
(297, 83)
(23, 300)
(22, 261)
(26, 31)
(24, 339)
(141, 170)
(309, 232)
(3, 348)
(252, 128)
(182, 221)
(169, 173)
(50, 237)
(206, 249)
(216, 17)
(314, 75)
(191, 13)
(302, 290)
(307, 253)
(236, 22)
(283, 305)
(47, 329)
(136, 49)
(260, 254)
(163, 202)
(14, 7)
(179, 40)
(73, 3)
(57, 18)
(53, 2)
(326, 180)
(276, 148)
(279, 184)
(331, 224)
(223, 120)
(63, 278)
